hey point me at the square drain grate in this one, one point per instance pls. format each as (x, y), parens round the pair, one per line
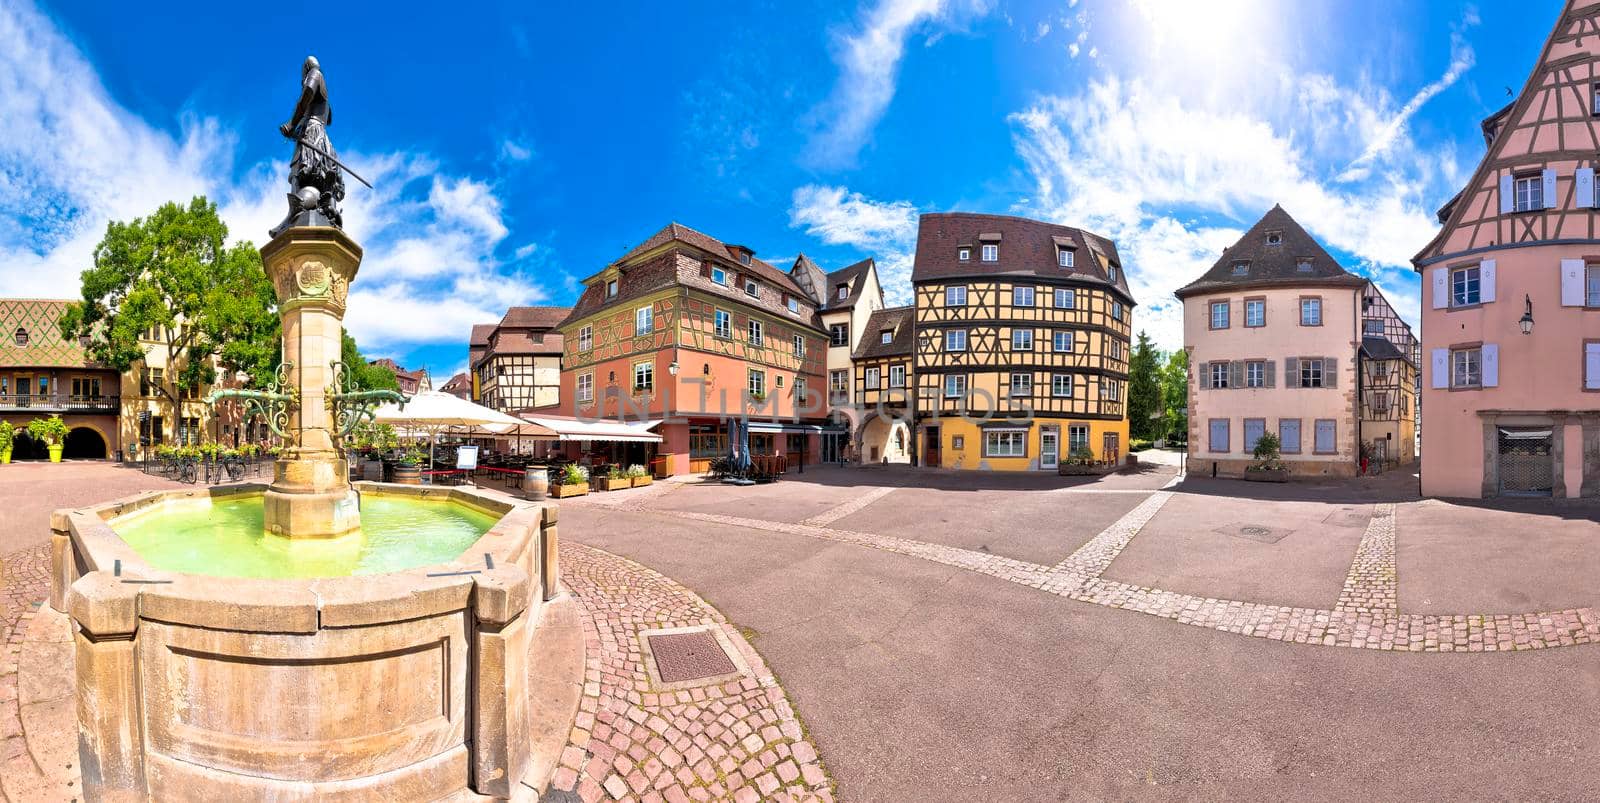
(693, 655)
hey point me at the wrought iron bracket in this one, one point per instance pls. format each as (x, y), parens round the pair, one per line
(349, 405)
(273, 404)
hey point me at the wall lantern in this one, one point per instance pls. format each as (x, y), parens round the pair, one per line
(672, 368)
(705, 369)
(1526, 322)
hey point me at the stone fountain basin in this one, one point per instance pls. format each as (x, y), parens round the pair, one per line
(404, 685)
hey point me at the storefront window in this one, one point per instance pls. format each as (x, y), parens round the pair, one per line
(708, 440)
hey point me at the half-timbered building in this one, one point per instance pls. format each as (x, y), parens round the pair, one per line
(1389, 356)
(1021, 345)
(689, 331)
(1511, 291)
(845, 298)
(518, 366)
(884, 386)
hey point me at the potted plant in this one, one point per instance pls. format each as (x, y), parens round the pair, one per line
(408, 469)
(8, 435)
(574, 481)
(53, 431)
(1268, 465)
(639, 475)
(616, 479)
(1079, 463)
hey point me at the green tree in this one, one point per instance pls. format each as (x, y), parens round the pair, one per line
(366, 375)
(1144, 389)
(173, 273)
(1175, 394)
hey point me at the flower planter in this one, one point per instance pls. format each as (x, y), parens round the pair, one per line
(55, 452)
(615, 483)
(5, 456)
(1077, 470)
(1266, 475)
(642, 481)
(564, 491)
(408, 474)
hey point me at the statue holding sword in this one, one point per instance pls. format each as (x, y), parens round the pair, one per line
(316, 177)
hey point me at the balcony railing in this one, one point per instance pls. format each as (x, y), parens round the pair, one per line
(60, 402)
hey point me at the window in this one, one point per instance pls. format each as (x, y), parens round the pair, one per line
(757, 384)
(1302, 265)
(1254, 428)
(1327, 428)
(1527, 193)
(1219, 375)
(1064, 257)
(991, 253)
(1061, 385)
(778, 380)
(1022, 296)
(1061, 341)
(1289, 435)
(838, 334)
(964, 254)
(1255, 374)
(1111, 273)
(886, 336)
(1591, 284)
(1219, 315)
(586, 338)
(1310, 312)
(800, 388)
(585, 387)
(799, 346)
(1241, 268)
(644, 321)
(1274, 238)
(1021, 385)
(874, 379)
(839, 380)
(955, 386)
(1466, 368)
(897, 376)
(1022, 340)
(755, 333)
(955, 295)
(1077, 437)
(793, 305)
(1065, 299)
(1005, 443)
(1116, 310)
(1311, 373)
(611, 289)
(644, 377)
(955, 340)
(1373, 327)
(1465, 287)
(1255, 312)
(751, 288)
(1594, 103)
(21, 336)
(706, 441)
(719, 275)
(1116, 349)
(149, 382)
(1112, 390)
(1219, 435)
(724, 323)
(842, 292)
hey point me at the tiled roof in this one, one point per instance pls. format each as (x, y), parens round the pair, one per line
(1379, 348)
(900, 321)
(45, 347)
(810, 277)
(705, 242)
(1266, 265)
(481, 332)
(521, 341)
(1027, 248)
(853, 276)
(534, 317)
(459, 386)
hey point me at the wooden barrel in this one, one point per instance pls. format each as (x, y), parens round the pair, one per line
(372, 470)
(535, 483)
(408, 475)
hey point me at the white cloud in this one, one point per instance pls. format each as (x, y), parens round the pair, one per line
(72, 159)
(869, 65)
(512, 150)
(886, 231)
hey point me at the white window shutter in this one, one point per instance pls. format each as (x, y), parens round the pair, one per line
(1506, 194)
(1549, 177)
(1491, 365)
(1591, 366)
(1583, 192)
(1486, 281)
(1572, 282)
(1441, 288)
(1441, 368)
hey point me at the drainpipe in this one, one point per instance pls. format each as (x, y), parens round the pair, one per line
(1360, 329)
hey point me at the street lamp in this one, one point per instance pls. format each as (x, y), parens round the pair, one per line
(1526, 321)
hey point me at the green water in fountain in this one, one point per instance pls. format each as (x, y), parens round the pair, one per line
(226, 538)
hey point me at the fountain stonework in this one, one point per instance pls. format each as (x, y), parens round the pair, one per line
(411, 683)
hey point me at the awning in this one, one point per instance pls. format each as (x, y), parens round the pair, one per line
(772, 427)
(576, 429)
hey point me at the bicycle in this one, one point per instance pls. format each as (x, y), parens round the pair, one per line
(188, 471)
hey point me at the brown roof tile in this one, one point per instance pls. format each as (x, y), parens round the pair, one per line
(852, 276)
(1027, 248)
(900, 321)
(1272, 265)
(535, 317)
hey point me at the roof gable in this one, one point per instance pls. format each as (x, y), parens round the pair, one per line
(899, 322)
(1025, 248)
(1273, 252)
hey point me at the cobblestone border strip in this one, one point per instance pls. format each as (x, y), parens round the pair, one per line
(1095, 556)
(837, 512)
(1372, 586)
(735, 740)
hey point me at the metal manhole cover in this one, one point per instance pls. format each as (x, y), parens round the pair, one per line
(689, 656)
(1348, 517)
(1254, 532)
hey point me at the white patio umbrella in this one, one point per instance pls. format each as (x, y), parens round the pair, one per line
(431, 412)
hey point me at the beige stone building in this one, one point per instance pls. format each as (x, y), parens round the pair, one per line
(1282, 339)
(885, 386)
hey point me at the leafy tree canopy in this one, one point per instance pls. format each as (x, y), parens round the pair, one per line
(365, 375)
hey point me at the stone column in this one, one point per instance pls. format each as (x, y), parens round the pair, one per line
(311, 268)
(110, 725)
(500, 749)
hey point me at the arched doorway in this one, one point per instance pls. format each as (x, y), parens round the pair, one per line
(26, 447)
(84, 443)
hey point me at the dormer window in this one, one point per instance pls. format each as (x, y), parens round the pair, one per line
(1111, 273)
(611, 289)
(719, 275)
(751, 288)
(1274, 238)
(886, 336)
(21, 336)
(1302, 265)
(794, 305)
(1064, 257)
(991, 253)
(1241, 268)
(843, 292)
(744, 257)
(964, 254)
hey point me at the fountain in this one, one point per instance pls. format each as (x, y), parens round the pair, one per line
(311, 638)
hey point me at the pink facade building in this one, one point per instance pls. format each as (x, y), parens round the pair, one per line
(1511, 292)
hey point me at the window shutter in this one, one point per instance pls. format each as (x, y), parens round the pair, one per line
(1486, 281)
(1491, 365)
(1506, 198)
(1270, 368)
(1441, 288)
(1591, 366)
(1235, 374)
(1330, 372)
(1291, 372)
(1572, 282)
(1205, 376)
(1441, 368)
(1549, 177)
(1583, 192)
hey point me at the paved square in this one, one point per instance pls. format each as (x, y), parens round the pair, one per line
(1531, 555)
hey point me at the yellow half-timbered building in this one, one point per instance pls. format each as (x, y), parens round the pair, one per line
(1022, 344)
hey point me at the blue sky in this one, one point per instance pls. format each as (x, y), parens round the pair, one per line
(518, 148)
